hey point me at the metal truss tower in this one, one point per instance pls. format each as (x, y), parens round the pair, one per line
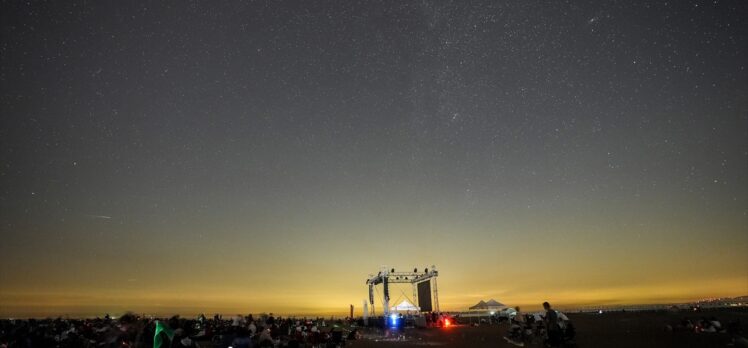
(388, 276)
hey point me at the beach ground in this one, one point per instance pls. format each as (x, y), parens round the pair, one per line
(612, 329)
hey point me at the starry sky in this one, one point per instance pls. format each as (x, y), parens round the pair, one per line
(185, 157)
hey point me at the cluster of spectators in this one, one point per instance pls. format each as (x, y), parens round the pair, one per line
(553, 328)
(434, 319)
(127, 331)
(269, 331)
(703, 325)
(132, 330)
(711, 325)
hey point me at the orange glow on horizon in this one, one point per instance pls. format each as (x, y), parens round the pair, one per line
(41, 304)
(322, 273)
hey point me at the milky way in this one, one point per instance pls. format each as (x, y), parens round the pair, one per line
(279, 152)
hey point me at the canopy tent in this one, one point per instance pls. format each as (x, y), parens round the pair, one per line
(491, 305)
(405, 306)
(480, 306)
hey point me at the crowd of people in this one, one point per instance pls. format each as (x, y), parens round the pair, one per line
(710, 325)
(703, 325)
(131, 330)
(553, 329)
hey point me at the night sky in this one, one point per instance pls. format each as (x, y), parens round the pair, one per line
(179, 157)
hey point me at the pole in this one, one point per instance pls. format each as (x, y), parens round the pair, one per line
(436, 297)
(386, 305)
(366, 313)
(386, 297)
(415, 299)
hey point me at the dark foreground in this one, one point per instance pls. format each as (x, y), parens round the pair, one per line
(611, 329)
(614, 329)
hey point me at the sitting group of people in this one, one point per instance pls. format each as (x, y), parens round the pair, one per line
(553, 329)
(126, 331)
(131, 330)
(434, 319)
(269, 331)
(711, 325)
(703, 325)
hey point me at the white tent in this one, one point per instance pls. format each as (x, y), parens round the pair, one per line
(480, 306)
(493, 304)
(490, 306)
(405, 306)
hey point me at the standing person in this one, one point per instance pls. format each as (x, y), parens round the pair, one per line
(271, 320)
(551, 324)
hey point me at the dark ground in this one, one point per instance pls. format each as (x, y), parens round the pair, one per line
(612, 329)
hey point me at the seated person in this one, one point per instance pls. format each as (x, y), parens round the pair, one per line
(517, 325)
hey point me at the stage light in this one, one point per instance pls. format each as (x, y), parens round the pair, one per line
(393, 320)
(393, 270)
(446, 323)
(415, 270)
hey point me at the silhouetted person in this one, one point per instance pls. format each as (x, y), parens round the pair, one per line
(243, 339)
(551, 325)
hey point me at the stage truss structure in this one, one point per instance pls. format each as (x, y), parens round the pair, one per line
(387, 276)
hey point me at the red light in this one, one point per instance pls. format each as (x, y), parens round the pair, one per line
(446, 322)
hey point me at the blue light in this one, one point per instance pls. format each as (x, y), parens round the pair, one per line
(393, 319)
